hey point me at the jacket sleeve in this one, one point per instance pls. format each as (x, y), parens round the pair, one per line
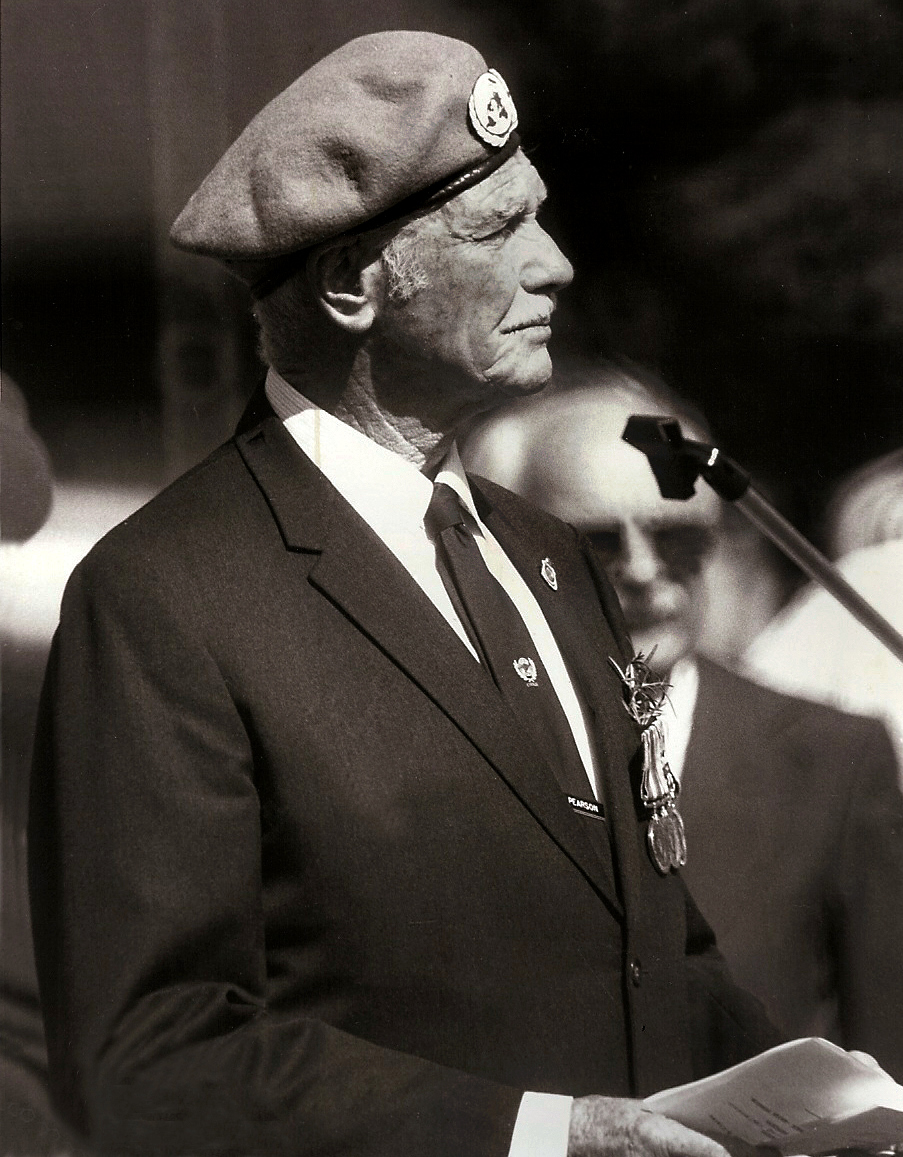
(867, 902)
(145, 869)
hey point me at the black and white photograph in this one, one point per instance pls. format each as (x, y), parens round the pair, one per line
(451, 579)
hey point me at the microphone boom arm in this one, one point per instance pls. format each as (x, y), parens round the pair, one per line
(677, 462)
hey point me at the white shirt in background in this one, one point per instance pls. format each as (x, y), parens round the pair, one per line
(817, 650)
(677, 713)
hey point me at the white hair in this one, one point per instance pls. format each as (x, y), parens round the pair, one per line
(402, 258)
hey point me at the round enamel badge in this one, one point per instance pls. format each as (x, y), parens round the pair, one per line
(491, 109)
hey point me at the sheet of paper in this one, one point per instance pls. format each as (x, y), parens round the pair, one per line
(800, 1097)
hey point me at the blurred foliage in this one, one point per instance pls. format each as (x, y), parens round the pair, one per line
(806, 217)
(727, 177)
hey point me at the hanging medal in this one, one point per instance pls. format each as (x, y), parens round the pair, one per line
(644, 697)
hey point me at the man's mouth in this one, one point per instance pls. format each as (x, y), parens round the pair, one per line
(541, 321)
(647, 622)
(538, 323)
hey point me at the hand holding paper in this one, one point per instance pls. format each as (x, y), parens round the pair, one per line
(805, 1097)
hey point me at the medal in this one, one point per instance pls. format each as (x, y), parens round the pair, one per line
(644, 696)
(666, 840)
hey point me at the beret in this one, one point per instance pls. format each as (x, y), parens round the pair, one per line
(386, 124)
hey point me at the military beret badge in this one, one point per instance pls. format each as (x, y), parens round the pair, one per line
(493, 116)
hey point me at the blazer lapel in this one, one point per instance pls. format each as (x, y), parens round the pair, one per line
(358, 573)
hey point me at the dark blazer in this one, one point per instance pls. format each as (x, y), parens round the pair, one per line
(794, 821)
(301, 883)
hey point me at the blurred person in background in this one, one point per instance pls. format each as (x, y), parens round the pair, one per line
(815, 648)
(26, 482)
(866, 508)
(28, 1125)
(793, 814)
(745, 569)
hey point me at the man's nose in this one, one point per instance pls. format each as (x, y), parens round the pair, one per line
(637, 563)
(545, 266)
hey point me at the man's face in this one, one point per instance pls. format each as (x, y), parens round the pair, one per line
(491, 273)
(654, 549)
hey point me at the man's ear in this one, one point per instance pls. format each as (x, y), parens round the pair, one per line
(345, 280)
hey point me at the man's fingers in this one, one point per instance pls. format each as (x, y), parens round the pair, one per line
(679, 1141)
(741, 1149)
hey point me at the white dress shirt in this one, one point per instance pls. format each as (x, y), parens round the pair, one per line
(677, 713)
(391, 495)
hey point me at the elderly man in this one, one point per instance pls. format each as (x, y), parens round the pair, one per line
(793, 815)
(336, 841)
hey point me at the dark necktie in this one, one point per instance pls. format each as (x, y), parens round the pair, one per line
(501, 638)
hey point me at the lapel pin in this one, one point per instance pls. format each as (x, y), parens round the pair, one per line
(548, 573)
(526, 668)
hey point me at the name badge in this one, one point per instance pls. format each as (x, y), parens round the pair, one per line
(587, 807)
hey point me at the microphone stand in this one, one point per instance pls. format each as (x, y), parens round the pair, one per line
(677, 462)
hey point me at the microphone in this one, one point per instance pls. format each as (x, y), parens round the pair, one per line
(677, 462)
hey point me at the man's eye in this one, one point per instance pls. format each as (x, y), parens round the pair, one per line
(683, 549)
(499, 234)
(509, 227)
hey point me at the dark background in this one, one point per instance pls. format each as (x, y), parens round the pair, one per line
(725, 175)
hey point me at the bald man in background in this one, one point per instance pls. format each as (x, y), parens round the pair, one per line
(793, 815)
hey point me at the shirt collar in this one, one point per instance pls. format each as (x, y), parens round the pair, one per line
(386, 490)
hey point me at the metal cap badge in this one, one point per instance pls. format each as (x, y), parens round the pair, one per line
(493, 116)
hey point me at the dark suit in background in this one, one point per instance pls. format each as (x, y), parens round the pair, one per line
(795, 826)
(345, 907)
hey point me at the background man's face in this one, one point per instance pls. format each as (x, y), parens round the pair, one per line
(654, 549)
(492, 273)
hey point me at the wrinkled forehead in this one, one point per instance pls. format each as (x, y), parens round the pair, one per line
(513, 190)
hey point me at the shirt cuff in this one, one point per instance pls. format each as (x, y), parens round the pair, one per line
(542, 1126)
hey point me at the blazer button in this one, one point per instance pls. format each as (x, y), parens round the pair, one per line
(636, 972)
